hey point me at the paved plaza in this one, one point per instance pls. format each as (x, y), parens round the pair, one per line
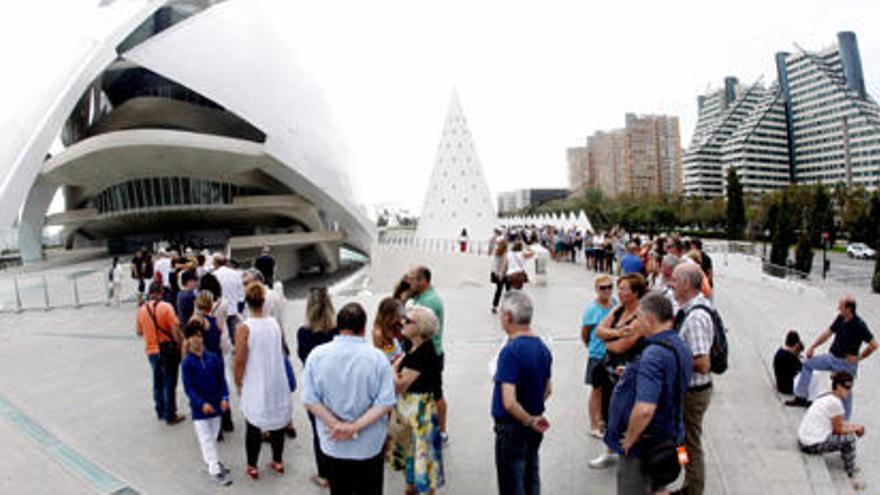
(76, 412)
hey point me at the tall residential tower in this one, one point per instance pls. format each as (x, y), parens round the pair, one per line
(815, 123)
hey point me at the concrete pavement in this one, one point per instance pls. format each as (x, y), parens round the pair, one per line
(80, 376)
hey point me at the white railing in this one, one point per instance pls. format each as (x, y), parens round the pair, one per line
(408, 240)
(49, 290)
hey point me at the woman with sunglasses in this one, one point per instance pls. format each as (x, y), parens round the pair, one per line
(593, 316)
(387, 328)
(417, 382)
(621, 332)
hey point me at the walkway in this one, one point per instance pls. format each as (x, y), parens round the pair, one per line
(80, 377)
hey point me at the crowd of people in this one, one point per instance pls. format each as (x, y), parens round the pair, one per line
(375, 398)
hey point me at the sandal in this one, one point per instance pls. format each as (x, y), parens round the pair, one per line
(323, 483)
(278, 467)
(253, 473)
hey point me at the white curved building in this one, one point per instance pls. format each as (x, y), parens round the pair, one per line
(184, 120)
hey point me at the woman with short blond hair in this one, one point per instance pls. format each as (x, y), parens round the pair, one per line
(417, 381)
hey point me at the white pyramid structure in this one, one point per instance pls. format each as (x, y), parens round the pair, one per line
(458, 196)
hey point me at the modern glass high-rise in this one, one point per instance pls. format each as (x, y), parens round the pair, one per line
(815, 123)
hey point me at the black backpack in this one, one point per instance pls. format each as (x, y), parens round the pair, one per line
(718, 353)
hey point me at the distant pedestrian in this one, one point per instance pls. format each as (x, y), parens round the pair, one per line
(186, 297)
(115, 277)
(498, 272)
(266, 264)
(705, 261)
(348, 386)
(516, 266)
(232, 289)
(850, 332)
(645, 425)
(631, 262)
(205, 384)
(261, 379)
(595, 312)
(522, 386)
(787, 363)
(423, 294)
(159, 326)
(823, 428)
(320, 328)
(463, 240)
(142, 271)
(417, 383)
(695, 326)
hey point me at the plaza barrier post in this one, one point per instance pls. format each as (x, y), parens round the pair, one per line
(18, 308)
(75, 293)
(46, 292)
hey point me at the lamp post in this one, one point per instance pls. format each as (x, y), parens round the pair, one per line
(825, 263)
(766, 235)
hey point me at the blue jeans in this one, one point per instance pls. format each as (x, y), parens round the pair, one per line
(825, 362)
(164, 387)
(516, 459)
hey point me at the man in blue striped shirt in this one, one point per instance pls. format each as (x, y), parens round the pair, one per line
(348, 386)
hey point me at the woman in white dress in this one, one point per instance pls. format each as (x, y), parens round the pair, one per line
(261, 380)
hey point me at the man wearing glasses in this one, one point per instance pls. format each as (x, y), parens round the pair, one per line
(593, 315)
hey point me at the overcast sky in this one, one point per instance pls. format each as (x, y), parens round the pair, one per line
(534, 78)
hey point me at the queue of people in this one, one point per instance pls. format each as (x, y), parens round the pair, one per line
(374, 398)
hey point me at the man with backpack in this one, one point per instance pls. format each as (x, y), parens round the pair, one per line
(696, 327)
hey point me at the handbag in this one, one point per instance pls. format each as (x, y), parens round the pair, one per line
(660, 460)
(398, 429)
(291, 378)
(169, 352)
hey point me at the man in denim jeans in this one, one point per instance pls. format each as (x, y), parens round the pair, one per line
(849, 331)
(522, 385)
(157, 323)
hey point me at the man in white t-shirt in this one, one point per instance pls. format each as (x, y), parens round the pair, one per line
(823, 428)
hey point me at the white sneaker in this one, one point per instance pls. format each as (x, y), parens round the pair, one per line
(597, 433)
(603, 461)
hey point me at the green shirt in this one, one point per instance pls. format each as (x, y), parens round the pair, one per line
(431, 300)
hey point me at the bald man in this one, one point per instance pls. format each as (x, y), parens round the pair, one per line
(694, 323)
(849, 332)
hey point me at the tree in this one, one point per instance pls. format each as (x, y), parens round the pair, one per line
(803, 253)
(821, 216)
(874, 214)
(781, 230)
(736, 210)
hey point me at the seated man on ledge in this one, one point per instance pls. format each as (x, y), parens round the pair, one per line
(849, 331)
(823, 428)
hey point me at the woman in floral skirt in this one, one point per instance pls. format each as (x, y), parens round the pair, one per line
(417, 381)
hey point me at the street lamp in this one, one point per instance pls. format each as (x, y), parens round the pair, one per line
(825, 262)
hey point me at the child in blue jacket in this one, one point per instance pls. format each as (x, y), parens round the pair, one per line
(205, 385)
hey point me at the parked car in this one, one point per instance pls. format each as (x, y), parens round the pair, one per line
(860, 250)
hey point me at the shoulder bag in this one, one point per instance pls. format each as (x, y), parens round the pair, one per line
(169, 351)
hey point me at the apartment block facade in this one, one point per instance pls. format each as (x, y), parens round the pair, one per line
(642, 158)
(815, 123)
